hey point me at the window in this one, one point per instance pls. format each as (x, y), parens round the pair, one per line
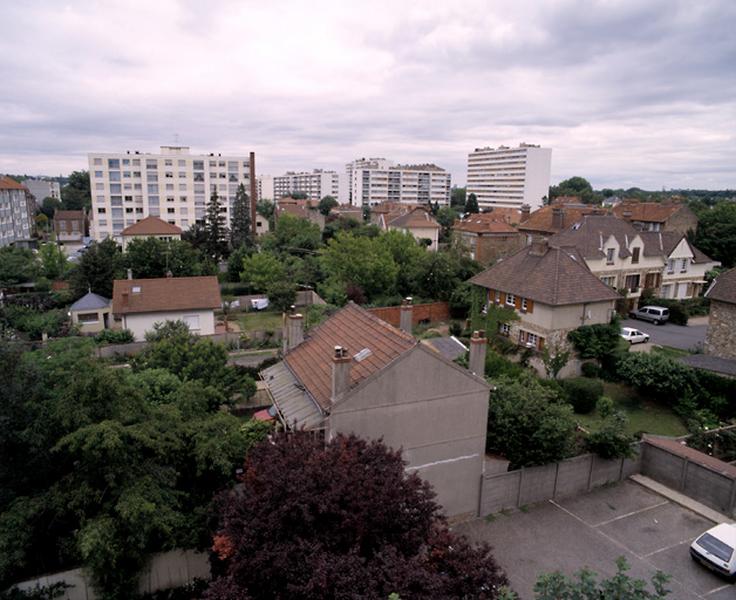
(182, 187)
(192, 321)
(170, 198)
(532, 339)
(126, 174)
(169, 174)
(505, 329)
(152, 200)
(136, 162)
(98, 174)
(510, 300)
(136, 289)
(98, 161)
(88, 317)
(128, 198)
(113, 163)
(115, 188)
(114, 175)
(153, 188)
(128, 209)
(182, 163)
(609, 281)
(199, 177)
(126, 161)
(671, 265)
(632, 283)
(152, 176)
(683, 268)
(170, 187)
(609, 256)
(635, 255)
(524, 304)
(168, 162)
(170, 211)
(151, 164)
(101, 210)
(198, 165)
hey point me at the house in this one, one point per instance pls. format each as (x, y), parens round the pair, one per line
(488, 237)
(657, 216)
(303, 209)
(262, 225)
(70, 229)
(552, 219)
(355, 373)
(421, 224)
(92, 313)
(720, 339)
(382, 213)
(141, 303)
(17, 208)
(552, 292)
(150, 227)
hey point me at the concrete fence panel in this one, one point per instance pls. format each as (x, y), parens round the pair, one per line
(663, 466)
(537, 484)
(500, 492)
(573, 476)
(605, 471)
(712, 489)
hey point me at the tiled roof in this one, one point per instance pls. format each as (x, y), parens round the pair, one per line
(165, 294)
(294, 404)
(69, 215)
(151, 226)
(484, 223)
(589, 234)
(724, 287)
(8, 183)
(353, 328)
(655, 212)
(665, 242)
(542, 219)
(416, 218)
(545, 274)
(90, 301)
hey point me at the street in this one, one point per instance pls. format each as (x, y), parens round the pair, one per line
(675, 336)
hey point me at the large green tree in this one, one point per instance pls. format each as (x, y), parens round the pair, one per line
(215, 231)
(97, 268)
(76, 195)
(260, 271)
(326, 205)
(471, 205)
(241, 227)
(457, 198)
(716, 233)
(17, 265)
(152, 257)
(293, 235)
(575, 186)
(54, 264)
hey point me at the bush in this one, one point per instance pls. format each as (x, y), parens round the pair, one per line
(590, 369)
(456, 329)
(596, 341)
(611, 440)
(583, 393)
(281, 295)
(498, 366)
(678, 310)
(115, 336)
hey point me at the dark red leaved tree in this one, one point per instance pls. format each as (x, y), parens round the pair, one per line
(340, 520)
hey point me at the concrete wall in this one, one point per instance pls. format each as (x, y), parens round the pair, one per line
(434, 311)
(135, 347)
(569, 477)
(436, 413)
(166, 570)
(139, 324)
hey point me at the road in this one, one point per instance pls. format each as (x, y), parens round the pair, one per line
(675, 336)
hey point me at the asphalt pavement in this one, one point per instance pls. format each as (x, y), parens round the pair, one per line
(676, 336)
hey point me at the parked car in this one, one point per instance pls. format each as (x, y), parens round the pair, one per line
(655, 314)
(634, 336)
(715, 549)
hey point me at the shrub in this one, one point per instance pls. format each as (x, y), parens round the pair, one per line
(656, 375)
(611, 440)
(678, 310)
(583, 393)
(456, 329)
(115, 336)
(590, 369)
(596, 341)
(498, 366)
(281, 295)
(605, 406)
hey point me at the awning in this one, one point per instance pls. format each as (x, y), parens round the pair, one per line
(297, 410)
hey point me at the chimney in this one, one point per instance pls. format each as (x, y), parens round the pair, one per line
(130, 273)
(525, 212)
(478, 346)
(341, 362)
(558, 220)
(294, 330)
(405, 316)
(539, 247)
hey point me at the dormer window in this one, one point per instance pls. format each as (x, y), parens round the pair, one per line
(609, 256)
(635, 255)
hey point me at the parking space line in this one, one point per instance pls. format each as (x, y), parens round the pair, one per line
(675, 545)
(719, 589)
(631, 514)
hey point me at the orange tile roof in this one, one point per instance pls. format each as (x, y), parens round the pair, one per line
(656, 212)
(353, 328)
(541, 220)
(151, 226)
(165, 294)
(8, 183)
(484, 223)
(418, 217)
(77, 215)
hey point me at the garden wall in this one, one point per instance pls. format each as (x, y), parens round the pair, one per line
(134, 348)
(434, 311)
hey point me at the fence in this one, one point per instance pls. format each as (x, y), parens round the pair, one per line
(134, 348)
(166, 570)
(569, 477)
(434, 311)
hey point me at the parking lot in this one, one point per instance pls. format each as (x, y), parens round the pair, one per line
(675, 336)
(592, 531)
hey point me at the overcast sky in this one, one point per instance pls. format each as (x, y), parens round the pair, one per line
(626, 93)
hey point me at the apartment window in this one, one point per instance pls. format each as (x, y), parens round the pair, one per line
(169, 187)
(683, 267)
(198, 165)
(183, 210)
(170, 198)
(128, 210)
(170, 211)
(182, 198)
(609, 256)
(609, 281)
(113, 163)
(128, 198)
(151, 164)
(152, 176)
(184, 223)
(152, 200)
(635, 255)
(182, 163)
(98, 161)
(169, 174)
(246, 164)
(139, 210)
(102, 222)
(199, 177)
(510, 300)
(126, 161)
(153, 188)
(115, 188)
(221, 163)
(127, 186)
(101, 210)
(182, 187)
(126, 174)
(114, 175)
(168, 162)
(505, 329)
(98, 174)
(116, 200)
(213, 163)
(136, 162)
(182, 175)
(136, 174)
(100, 198)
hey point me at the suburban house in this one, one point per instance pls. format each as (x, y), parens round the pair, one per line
(720, 339)
(91, 313)
(421, 224)
(303, 209)
(150, 227)
(141, 303)
(355, 373)
(384, 212)
(549, 220)
(70, 229)
(657, 216)
(488, 237)
(552, 292)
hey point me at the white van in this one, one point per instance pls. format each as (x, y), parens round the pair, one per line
(715, 549)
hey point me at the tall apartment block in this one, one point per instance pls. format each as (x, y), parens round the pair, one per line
(43, 188)
(173, 185)
(509, 177)
(315, 184)
(16, 212)
(264, 184)
(376, 180)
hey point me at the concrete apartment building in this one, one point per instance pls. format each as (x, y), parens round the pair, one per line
(315, 184)
(43, 188)
(509, 177)
(355, 373)
(264, 187)
(16, 212)
(173, 185)
(376, 180)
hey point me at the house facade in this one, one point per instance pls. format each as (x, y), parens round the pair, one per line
(421, 224)
(488, 237)
(91, 313)
(150, 227)
(70, 229)
(720, 339)
(550, 291)
(138, 304)
(657, 216)
(357, 374)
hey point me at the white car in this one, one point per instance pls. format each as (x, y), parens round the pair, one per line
(634, 336)
(715, 549)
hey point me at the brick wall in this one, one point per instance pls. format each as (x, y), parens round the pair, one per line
(434, 311)
(720, 339)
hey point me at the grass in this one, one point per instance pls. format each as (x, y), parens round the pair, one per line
(673, 353)
(261, 321)
(644, 415)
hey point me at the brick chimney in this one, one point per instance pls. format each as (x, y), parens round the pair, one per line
(405, 316)
(130, 273)
(558, 218)
(294, 330)
(341, 363)
(478, 346)
(525, 212)
(539, 247)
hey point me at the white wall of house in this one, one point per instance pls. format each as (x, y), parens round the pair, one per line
(419, 233)
(201, 322)
(568, 316)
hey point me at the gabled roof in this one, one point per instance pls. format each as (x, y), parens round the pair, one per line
(665, 242)
(151, 226)
(545, 274)
(353, 328)
(654, 212)
(165, 294)
(589, 235)
(484, 223)
(542, 219)
(69, 215)
(418, 217)
(8, 183)
(90, 301)
(724, 288)
(449, 347)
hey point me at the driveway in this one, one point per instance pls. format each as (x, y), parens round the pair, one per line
(593, 530)
(675, 336)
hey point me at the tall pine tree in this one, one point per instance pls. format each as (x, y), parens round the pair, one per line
(240, 222)
(214, 228)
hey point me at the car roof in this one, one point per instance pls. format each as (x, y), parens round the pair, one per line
(725, 532)
(627, 329)
(652, 306)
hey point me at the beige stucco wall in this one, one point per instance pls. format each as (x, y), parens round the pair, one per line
(720, 339)
(568, 316)
(92, 327)
(429, 233)
(140, 323)
(435, 413)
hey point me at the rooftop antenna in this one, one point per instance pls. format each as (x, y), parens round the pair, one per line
(176, 139)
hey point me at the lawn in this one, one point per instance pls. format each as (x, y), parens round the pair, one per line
(260, 321)
(644, 415)
(673, 353)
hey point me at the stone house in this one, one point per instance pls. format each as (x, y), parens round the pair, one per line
(138, 304)
(487, 237)
(720, 339)
(657, 216)
(150, 227)
(357, 374)
(550, 290)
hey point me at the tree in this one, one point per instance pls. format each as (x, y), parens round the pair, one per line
(261, 271)
(457, 198)
(446, 217)
(76, 194)
(574, 186)
(341, 519)
(471, 206)
(293, 235)
(281, 295)
(235, 262)
(53, 261)
(49, 206)
(241, 228)
(152, 257)
(716, 233)
(214, 229)
(266, 208)
(326, 205)
(556, 586)
(554, 361)
(17, 265)
(528, 424)
(96, 269)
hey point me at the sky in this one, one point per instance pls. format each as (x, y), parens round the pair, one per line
(626, 93)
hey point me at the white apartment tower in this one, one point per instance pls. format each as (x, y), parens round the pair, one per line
(509, 177)
(173, 185)
(265, 187)
(315, 184)
(375, 180)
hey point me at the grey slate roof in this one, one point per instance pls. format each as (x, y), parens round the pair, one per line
(90, 301)
(724, 366)
(295, 405)
(449, 347)
(724, 287)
